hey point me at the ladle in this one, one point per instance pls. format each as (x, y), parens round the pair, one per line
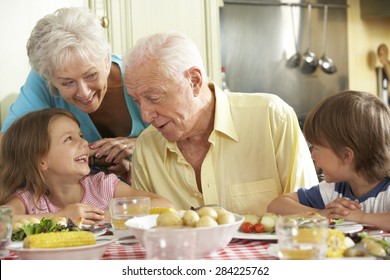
(295, 59)
(326, 63)
(383, 55)
(310, 61)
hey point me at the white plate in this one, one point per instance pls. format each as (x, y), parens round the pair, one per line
(255, 236)
(344, 227)
(348, 227)
(90, 252)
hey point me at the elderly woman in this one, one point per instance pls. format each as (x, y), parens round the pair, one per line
(72, 68)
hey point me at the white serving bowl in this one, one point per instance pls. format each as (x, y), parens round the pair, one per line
(209, 239)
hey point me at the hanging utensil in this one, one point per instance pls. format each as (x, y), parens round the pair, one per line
(310, 61)
(383, 55)
(326, 63)
(295, 59)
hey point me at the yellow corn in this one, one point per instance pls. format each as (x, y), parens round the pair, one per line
(59, 239)
(160, 210)
(335, 244)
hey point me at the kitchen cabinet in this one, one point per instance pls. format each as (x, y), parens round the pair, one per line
(129, 20)
(374, 9)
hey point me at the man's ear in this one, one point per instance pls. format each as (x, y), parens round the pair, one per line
(195, 77)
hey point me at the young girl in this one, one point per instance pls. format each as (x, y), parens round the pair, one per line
(350, 134)
(44, 171)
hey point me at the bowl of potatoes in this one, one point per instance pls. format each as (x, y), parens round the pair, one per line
(214, 226)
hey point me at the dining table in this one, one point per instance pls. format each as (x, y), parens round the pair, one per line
(237, 249)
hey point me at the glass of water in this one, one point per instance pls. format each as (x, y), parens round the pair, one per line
(124, 208)
(302, 237)
(5, 230)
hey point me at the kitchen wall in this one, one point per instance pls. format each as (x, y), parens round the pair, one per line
(257, 39)
(17, 18)
(364, 37)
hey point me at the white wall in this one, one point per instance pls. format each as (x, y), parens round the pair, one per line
(17, 19)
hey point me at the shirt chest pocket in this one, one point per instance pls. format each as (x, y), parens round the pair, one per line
(252, 197)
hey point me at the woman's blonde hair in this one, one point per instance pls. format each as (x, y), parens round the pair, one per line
(23, 146)
(358, 120)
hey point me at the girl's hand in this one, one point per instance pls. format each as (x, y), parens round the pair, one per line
(88, 213)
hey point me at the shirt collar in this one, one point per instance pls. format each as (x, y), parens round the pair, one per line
(223, 121)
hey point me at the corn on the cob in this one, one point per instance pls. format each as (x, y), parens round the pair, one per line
(59, 239)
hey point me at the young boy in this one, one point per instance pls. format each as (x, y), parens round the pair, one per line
(350, 134)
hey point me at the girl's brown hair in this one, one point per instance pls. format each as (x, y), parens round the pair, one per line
(358, 120)
(24, 144)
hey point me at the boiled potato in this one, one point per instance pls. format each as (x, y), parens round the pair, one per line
(268, 220)
(374, 247)
(34, 220)
(206, 221)
(251, 218)
(169, 219)
(190, 218)
(207, 211)
(220, 210)
(226, 218)
(60, 220)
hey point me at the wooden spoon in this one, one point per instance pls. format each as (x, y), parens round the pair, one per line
(383, 55)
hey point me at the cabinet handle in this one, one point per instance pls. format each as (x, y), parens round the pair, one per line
(104, 21)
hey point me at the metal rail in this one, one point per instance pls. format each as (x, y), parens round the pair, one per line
(273, 3)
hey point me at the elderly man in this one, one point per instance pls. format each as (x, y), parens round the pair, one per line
(205, 146)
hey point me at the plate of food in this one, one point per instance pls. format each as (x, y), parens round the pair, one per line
(256, 236)
(87, 252)
(346, 226)
(257, 227)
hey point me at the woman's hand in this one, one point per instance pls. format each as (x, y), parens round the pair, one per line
(114, 149)
(117, 151)
(88, 213)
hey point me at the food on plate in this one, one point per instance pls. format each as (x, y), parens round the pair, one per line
(246, 227)
(26, 227)
(258, 228)
(268, 220)
(190, 218)
(59, 239)
(202, 217)
(368, 246)
(169, 219)
(337, 243)
(251, 218)
(206, 221)
(258, 224)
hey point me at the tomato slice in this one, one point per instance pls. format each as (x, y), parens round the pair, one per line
(246, 227)
(259, 228)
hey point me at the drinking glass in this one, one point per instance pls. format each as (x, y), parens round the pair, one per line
(167, 243)
(124, 208)
(5, 230)
(302, 237)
